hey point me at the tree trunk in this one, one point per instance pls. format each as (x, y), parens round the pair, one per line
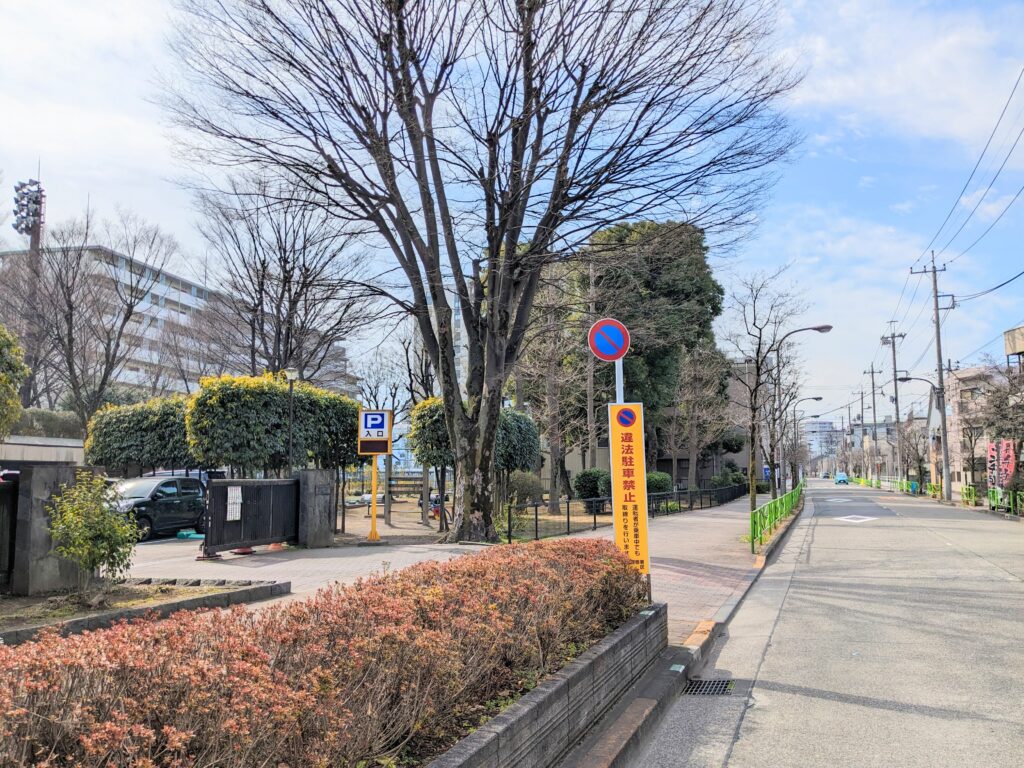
(753, 470)
(691, 470)
(473, 500)
(554, 431)
(425, 496)
(388, 463)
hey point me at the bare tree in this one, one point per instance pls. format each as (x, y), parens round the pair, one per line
(552, 374)
(420, 384)
(483, 140)
(289, 295)
(90, 299)
(700, 413)
(761, 306)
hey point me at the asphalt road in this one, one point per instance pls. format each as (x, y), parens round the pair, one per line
(896, 640)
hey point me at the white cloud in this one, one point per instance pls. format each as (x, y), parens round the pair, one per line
(913, 68)
(904, 207)
(989, 206)
(78, 83)
(852, 272)
(866, 182)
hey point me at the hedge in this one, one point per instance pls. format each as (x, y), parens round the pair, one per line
(149, 434)
(659, 482)
(392, 667)
(587, 484)
(42, 422)
(242, 422)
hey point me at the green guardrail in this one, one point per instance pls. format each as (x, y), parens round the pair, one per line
(934, 490)
(969, 496)
(767, 517)
(1008, 501)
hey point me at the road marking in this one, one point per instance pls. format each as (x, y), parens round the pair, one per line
(839, 501)
(856, 519)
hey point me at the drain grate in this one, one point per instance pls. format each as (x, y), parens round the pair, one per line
(710, 687)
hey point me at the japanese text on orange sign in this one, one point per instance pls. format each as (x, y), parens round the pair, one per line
(629, 482)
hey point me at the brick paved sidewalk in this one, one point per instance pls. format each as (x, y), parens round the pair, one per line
(699, 560)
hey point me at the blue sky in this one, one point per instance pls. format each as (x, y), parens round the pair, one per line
(898, 100)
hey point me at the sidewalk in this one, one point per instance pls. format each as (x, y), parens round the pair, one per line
(699, 562)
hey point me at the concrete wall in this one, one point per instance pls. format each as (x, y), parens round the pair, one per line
(37, 568)
(539, 729)
(316, 510)
(19, 449)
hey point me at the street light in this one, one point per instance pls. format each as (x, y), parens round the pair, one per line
(291, 374)
(947, 490)
(796, 425)
(753, 471)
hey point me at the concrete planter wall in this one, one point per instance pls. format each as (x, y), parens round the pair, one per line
(540, 728)
(236, 592)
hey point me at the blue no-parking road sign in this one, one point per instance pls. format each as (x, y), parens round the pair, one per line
(609, 340)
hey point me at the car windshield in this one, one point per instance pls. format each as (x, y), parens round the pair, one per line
(138, 488)
(840, 475)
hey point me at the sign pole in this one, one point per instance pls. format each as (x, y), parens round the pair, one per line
(620, 389)
(374, 536)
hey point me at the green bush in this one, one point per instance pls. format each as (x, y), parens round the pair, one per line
(517, 444)
(524, 488)
(586, 484)
(763, 486)
(90, 531)
(604, 485)
(242, 421)
(12, 373)
(42, 422)
(659, 482)
(149, 434)
(728, 477)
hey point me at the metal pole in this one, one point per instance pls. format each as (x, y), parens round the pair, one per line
(896, 400)
(620, 396)
(374, 536)
(940, 393)
(291, 419)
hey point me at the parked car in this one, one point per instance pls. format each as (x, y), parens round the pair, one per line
(842, 479)
(162, 504)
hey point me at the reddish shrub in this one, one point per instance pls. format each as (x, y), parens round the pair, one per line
(351, 674)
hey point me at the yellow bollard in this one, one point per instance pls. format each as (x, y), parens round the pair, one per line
(374, 536)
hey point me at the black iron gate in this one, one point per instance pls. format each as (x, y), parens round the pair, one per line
(8, 521)
(248, 513)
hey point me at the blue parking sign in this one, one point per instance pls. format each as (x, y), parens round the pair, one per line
(374, 433)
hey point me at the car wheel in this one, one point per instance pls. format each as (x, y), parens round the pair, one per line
(145, 526)
(200, 525)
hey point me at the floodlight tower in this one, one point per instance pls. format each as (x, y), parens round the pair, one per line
(29, 207)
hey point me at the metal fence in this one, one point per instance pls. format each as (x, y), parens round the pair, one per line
(262, 512)
(767, 517)
(541, 521)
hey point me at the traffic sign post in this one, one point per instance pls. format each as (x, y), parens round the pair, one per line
(374, 440)
(609, 341)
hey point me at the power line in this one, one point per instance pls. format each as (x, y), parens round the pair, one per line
(990, 226)
(974, 170)
(978, 295)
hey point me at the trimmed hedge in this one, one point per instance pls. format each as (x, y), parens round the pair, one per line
(42, 422)
(659, 482)
(149, 434)
(392, 666)
(587, 484)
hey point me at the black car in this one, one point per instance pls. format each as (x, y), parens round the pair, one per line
(163, 504)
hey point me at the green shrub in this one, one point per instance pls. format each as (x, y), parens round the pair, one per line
(242, 421)
(763, 486)
(524, 488)
(90, 531)
(604, 485)
(149, 434)
(13, 372)
(587, 484)
(42, 422)
(659, 482)
(517, 444)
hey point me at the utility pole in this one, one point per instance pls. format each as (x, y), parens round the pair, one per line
(861, 446)
(874, 422)
(940, 390)
(891, 341)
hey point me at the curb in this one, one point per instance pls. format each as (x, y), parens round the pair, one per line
(250, 592)
(639, 712)
(551, 719)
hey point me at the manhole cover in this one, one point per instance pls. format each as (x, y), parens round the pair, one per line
(710, 687)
